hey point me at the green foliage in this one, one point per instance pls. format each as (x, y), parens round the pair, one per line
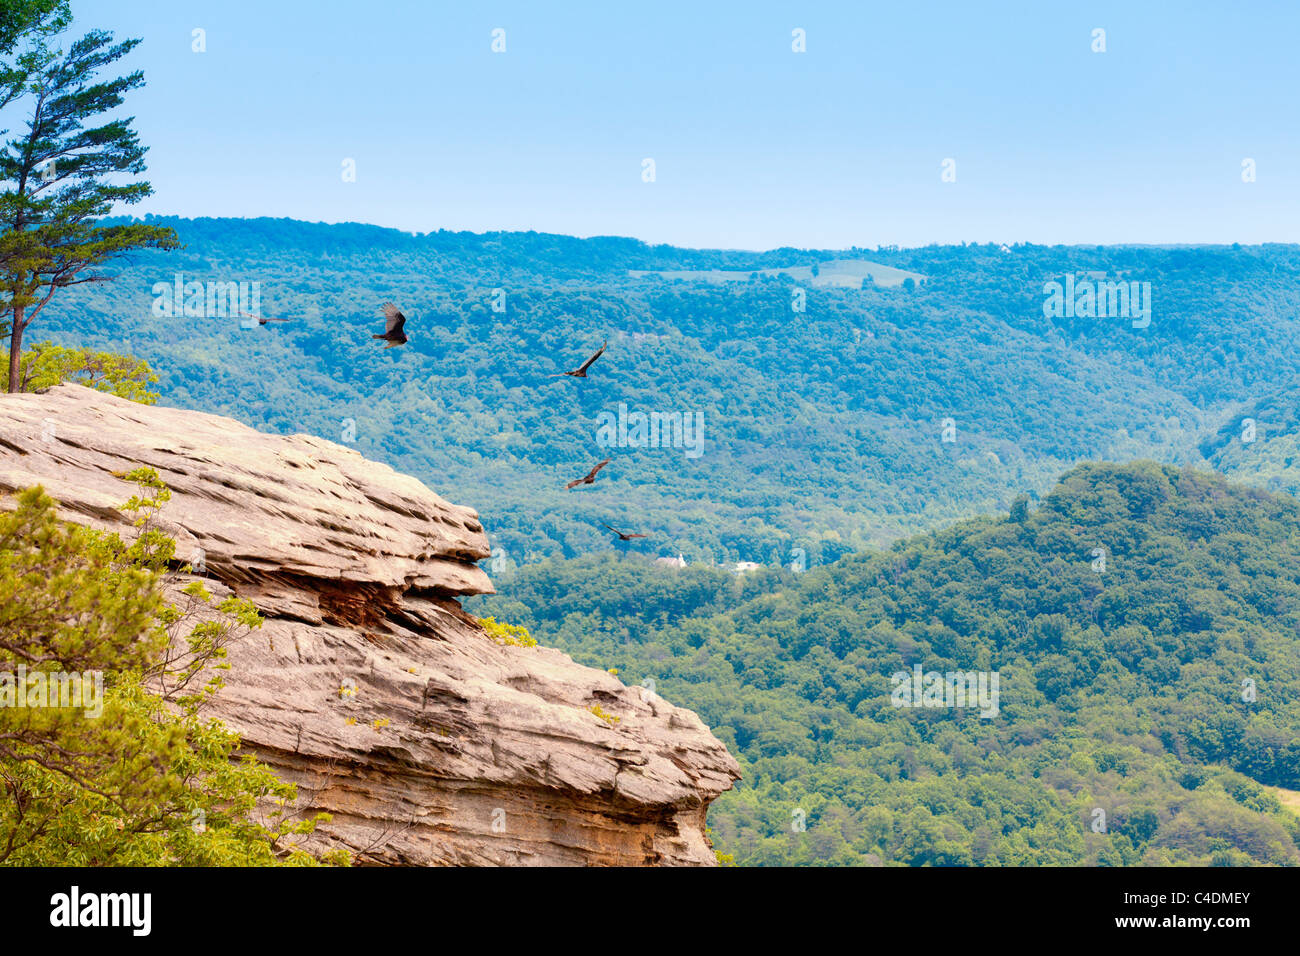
(137, 775)
(47, 365)
(1260, 443)
(822, 429)
(67, 170)
(503, 633)
(1121, 690)
(724, 859)
(27, 18)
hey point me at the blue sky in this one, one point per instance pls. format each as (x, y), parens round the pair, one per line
(755, 146)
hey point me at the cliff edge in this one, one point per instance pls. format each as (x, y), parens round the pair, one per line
(368, 686)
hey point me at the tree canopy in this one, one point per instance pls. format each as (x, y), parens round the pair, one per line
(1142, 621)
(106, 662)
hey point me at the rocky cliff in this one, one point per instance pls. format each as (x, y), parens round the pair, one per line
(368, 686)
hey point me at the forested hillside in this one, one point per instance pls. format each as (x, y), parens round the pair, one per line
(1143, 621)
(1261, 443)
(875, 412)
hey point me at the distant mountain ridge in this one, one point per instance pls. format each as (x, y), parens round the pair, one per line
(835, 418)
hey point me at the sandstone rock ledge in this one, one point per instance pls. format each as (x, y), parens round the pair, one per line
(459, 750)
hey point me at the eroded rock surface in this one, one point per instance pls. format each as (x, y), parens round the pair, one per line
(368, 686)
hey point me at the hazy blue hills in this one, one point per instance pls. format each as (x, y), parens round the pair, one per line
(823, 429)
(898, 438)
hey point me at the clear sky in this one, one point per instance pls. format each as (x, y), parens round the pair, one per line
(754, 145)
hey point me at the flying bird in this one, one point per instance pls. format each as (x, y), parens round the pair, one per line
(393, 325)
(621, 535)
(262, 319)
(581, 370)
(591, 476)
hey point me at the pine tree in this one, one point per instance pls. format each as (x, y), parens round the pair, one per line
(64, 173)
(107, 663)
(23, 23)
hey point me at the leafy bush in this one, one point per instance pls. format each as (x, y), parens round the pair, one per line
(139, 776)
(47, 365)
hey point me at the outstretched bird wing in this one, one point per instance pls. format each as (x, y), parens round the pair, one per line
(591, 476)
(394, 320)
(591, 361)
(622, 536)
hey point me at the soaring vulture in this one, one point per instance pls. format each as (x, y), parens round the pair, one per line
(621, 535)
(581, 370)
(591, 476)
(393, 325)
(262, 319)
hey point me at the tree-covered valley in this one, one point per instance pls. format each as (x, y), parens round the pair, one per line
(875, 412)
(884, 434)
(1142, 620)
(532, 455)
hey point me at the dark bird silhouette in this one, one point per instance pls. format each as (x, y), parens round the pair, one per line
(393, 326)
(621, 535)
(581, 370)
(262, 319)
(591, 476)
